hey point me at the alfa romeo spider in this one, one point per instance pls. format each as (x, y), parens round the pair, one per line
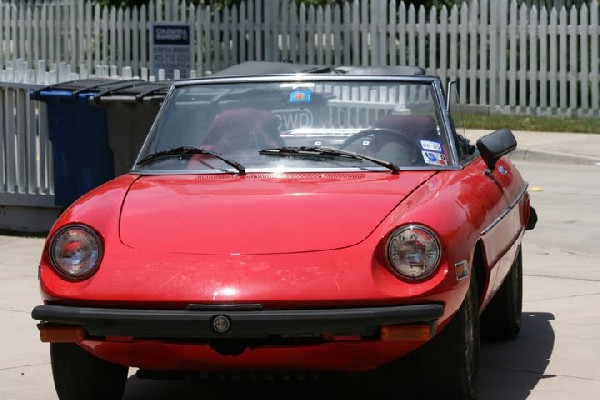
(285, 217)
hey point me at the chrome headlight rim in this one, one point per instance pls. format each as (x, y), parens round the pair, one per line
(432, 269)
(95, 238)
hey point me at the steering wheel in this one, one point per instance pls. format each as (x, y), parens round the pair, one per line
(382, 137)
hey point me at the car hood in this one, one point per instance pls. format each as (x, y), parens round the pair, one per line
(260, 213)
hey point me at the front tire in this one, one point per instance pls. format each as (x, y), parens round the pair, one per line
(448, 366)
(502, 317)
(80, 375)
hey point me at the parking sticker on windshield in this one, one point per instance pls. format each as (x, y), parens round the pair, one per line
(300, 96)
(434, 158)
(432, 146)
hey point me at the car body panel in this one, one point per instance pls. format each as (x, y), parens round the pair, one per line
(348, 355)
(285, 233)
(296, 280)
(289, 213)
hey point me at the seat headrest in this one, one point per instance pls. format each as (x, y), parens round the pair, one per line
(241, 128)
(243, 120)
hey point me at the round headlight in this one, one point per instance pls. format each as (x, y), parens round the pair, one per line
(414, 252)
(76, 251)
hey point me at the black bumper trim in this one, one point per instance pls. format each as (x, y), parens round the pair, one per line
(246, 324)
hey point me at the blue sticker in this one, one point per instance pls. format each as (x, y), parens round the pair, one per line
(434, 158)
(300, 96)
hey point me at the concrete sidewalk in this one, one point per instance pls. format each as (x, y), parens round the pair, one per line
(554, 358)
(553, 147)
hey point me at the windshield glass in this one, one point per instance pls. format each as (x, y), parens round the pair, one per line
(280, 126)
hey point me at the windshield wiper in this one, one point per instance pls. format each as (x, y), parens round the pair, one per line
(328, 151)
(190, 150)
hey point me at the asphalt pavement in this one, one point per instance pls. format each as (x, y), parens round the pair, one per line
(24, 361)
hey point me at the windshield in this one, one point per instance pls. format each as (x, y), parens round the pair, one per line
(290, 126)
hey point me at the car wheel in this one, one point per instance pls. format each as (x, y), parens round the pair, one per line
(80, 375)
(502, 317)
(448, 366)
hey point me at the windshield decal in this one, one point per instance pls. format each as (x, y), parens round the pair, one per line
(293, 118)
(434, 158)
(300, 96)
(432, 146)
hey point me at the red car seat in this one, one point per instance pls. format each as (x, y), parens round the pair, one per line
(242, 129)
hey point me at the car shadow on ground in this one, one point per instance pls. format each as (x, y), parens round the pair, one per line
(511, 370)
(508, 370)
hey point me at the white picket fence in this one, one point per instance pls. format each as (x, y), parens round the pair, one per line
(25, 150)
(511, 58)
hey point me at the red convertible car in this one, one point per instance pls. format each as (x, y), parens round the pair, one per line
(292, 218)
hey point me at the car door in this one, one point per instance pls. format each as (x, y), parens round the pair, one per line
(494, 199)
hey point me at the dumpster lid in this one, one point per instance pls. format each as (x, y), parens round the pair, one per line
(138, 90)
(101, 89)
(81, 86)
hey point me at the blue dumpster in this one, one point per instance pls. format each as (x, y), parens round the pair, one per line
(84, 154)
(77, 131)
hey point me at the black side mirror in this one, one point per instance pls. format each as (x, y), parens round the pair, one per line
(494, 145)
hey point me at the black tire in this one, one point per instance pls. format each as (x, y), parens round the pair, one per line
(501, 319)
(448, 366)
(78, 375)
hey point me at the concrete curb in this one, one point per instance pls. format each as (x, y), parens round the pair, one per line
(551, 147)
(552, 157)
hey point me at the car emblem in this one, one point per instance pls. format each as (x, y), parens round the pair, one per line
(221, 323)
(502, 170)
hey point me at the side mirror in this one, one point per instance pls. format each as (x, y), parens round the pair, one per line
(494, 145)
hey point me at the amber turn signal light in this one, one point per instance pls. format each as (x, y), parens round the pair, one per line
(395, 333)
(61, 334)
